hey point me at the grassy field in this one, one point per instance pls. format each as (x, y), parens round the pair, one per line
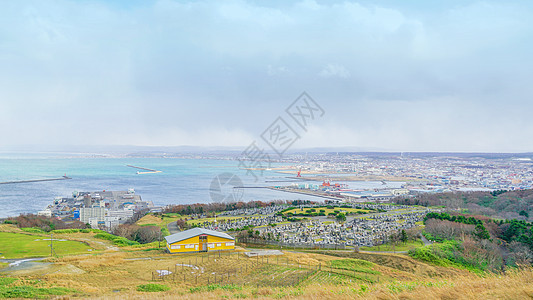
(130, 272)
(16, 288)
(163, 221)
(121, 275)
(399, 247)
(18, 245)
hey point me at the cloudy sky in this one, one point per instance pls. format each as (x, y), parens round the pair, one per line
(390, 75)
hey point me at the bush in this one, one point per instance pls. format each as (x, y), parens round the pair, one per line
(341, 217)
(44, 223)
(27, 291)
(152, 287)
(33, 230)
(426, 254)
(164, 231)
(213, 287)
(117, 240)
(77, 231)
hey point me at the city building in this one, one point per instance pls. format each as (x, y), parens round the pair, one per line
(92, 215)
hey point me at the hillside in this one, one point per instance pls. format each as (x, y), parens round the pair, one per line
(498, 204)
(117, 272)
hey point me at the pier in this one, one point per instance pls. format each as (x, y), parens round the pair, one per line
(146, 170)
(35, 180)
(251, 187)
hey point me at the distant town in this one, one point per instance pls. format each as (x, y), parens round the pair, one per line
(103, 209)
(326, 175)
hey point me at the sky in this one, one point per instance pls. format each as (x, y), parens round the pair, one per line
(389, 75)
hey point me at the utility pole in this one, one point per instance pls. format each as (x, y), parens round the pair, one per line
(51, 244)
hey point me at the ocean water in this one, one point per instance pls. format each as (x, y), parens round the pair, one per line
(182, 181)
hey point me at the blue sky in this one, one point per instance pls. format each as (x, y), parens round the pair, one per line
(390, 75)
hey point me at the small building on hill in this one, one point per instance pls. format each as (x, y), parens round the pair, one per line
(199, 240)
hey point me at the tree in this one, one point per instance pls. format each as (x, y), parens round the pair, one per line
(181, 223)
(403, 236)
(341, 217)
(481, 232)
(147, 234)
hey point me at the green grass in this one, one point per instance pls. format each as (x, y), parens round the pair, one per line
(448, 254)
(18, 245)
(117, 240)
(212, 287)
(398, 287)
(25, 291)
(161, 221)
(400, 247)
(352, 264)
(152, 287)
(86, 230)
(322, 277)
(33, 230)
(7, 281)
(10, 289)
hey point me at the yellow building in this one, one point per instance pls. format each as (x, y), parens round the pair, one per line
(199, 240)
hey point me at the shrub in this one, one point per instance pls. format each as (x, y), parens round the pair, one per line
(152, 287)
(25, 291)
(426, 254)
(77, 230)
(44, 223)
(213, 287)
(33, 230)
(117, 240)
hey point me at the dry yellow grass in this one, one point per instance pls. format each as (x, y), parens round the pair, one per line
(514, 285)
(10, 228)
(116, 274)
(149, 219)
(90, 262)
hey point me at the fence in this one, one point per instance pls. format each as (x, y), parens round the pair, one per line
(235, 268)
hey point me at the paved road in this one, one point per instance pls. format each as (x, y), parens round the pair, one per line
(426, 242)
(173, 227)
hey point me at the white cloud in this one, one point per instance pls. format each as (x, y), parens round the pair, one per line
(217, 73)
(334, 70)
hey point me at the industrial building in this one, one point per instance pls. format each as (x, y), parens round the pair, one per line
(199, 240)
